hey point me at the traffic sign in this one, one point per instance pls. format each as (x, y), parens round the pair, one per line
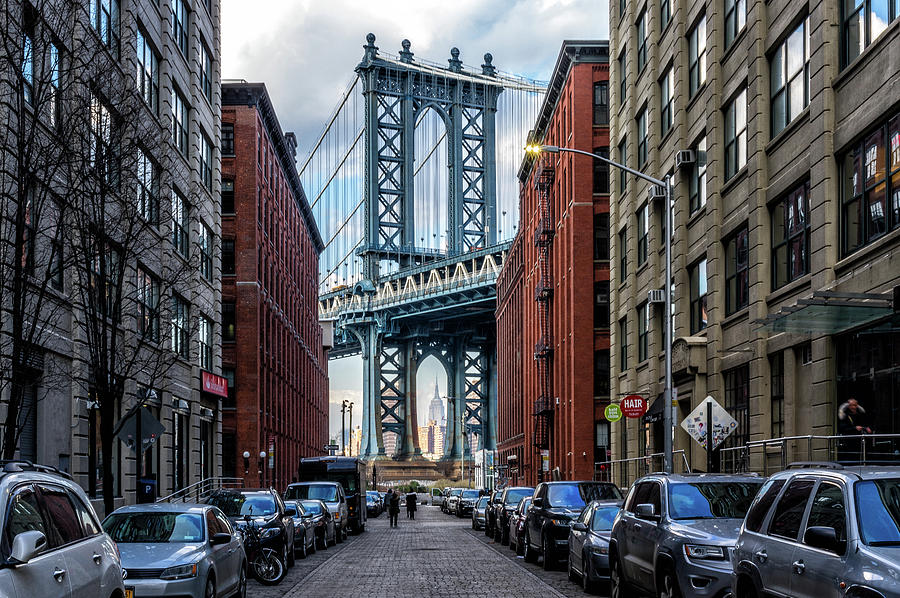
(634, 406)
(332, 447)
(612, 413)
(723, 424)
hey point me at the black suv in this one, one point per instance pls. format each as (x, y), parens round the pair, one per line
(504, 508)
(266, 508)
(490, 513)
(553, 509)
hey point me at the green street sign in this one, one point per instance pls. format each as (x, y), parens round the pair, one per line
(613, 413)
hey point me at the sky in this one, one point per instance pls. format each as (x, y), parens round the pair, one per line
(305, 52)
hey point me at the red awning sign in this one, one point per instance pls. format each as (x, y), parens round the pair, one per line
(634, 406)
(216, 385)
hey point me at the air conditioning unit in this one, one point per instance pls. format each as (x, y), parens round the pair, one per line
(685, 158)
(656, 296)
(656, 193)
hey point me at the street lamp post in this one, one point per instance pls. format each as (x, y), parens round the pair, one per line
(537, 149)
(350, 439)
(343, 429)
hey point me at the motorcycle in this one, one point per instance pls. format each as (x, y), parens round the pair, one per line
(265, 563)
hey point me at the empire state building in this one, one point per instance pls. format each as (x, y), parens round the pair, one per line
(431, 435)
(436, 407)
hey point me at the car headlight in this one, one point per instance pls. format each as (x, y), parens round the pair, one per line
(700, 551)
(337, 516)
(180, 572)
(600, 550)
(269, 532)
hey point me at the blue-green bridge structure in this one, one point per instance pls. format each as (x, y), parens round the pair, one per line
(413, 185)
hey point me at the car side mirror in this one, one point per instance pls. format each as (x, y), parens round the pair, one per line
(537, 502)
(290, 512)
(825, 538)
(645, 511)
(220, 538)
(579, 527)
(26, 546)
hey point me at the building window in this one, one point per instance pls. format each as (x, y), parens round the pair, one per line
(623, 258)
(180, 431)
(697, 57)
(105, 279)
(643, 238)
(601, 236)
(735, 19)
(871, 187)
(642, 139)
(105, 20)
(28, 68)
(228, 321)
(206, 252)
(53, 105)
(601, 171)
(228, 402)
(206, 161)
(147, 72)
(790, 237)
(179, 122)
(621, 8)
(623, 160)
(737, 403)
(643, 317)
(206, 73)
(180, 223)
(180, 327)
(601, 103)
(623, 344)
(642, 41)
(623, 81)
(697, 184)
(227, 196)
(601, 304)
(776, 366)
(737, 271)
(102, 156)
(863, 22)
(57, 254)
(148, 305)
(180, 25)
(205, 343)
(736, 134)
(699, 315)
(667, 101)
(227, 257)
(665, 13)
(147, 188)
(601, 373)
(227, 139)
(789, 78)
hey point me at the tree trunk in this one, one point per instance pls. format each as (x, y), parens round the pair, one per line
(11, 425)
(107, 411)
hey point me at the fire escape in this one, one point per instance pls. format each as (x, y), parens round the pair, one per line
(543, 293)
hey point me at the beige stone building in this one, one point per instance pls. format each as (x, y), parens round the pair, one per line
(780, 125)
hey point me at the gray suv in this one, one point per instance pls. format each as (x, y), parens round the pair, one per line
(823, 532)
(52, 542)
(675, 534)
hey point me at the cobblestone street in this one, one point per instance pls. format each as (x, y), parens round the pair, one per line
(435, 555)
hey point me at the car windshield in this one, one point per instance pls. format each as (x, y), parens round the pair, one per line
(514, 496)
(326, 492)
(711, 500)
(470, 494)
(482, 502)
(296, 505)
(578, 495)
(456, 492)
(236, 504)
(153, 528)
(524, 504)
(312, 507)
(603, 518)
(878, 510)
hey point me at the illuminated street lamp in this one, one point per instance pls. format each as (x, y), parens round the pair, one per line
(668, 427)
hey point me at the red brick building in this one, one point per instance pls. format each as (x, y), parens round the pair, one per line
(272, 351)
(553, 293)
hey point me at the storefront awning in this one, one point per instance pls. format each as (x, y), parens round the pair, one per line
(829, 312)
(655, 413)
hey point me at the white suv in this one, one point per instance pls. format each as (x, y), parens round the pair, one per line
(50, 539)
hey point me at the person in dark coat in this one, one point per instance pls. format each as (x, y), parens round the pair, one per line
(411, 505)
(393, 501)
(852, 421)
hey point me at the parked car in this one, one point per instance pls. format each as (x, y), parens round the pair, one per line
(54, 544)
(675, 534)
(453, 500)
(178, 549)
(267, 510)
(490, 513)
(589, 544)
(374, 505)
(509, 500)
(323, 522)
(478, 512)
(553, 508)
(304, 531)
(823, 533)
(466, 502)
(517, 525)
(331, 493)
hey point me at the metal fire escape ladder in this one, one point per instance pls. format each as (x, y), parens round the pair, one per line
(543, 293)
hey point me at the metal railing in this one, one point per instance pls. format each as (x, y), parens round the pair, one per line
(623, 472)
(198, 491)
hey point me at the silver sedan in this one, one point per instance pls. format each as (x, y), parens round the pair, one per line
(178, 550)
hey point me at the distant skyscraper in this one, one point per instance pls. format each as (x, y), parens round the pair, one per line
(436, 407)
(431, 440)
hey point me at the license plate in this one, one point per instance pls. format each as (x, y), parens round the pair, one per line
(129, 592)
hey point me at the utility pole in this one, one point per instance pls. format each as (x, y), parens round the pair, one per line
(343, 420)
(350, 409)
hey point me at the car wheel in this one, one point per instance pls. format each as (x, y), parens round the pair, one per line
(242, 582)
(618, 587)
(570, 570)
(668, 585)
(547, 553)
(530, 554)
(338, 535)
(587, 574)
(746, 589)
(210, 591)
(312, 546)
(291, 555)
(284, 554)
(518, 545)
(504, 536)
(497, 533)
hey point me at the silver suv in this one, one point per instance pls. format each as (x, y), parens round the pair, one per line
(822, 531)
(675, 534)
(52, 543)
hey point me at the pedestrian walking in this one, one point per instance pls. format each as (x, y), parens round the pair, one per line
(393, 500)
(411, 505)
(852, 421)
